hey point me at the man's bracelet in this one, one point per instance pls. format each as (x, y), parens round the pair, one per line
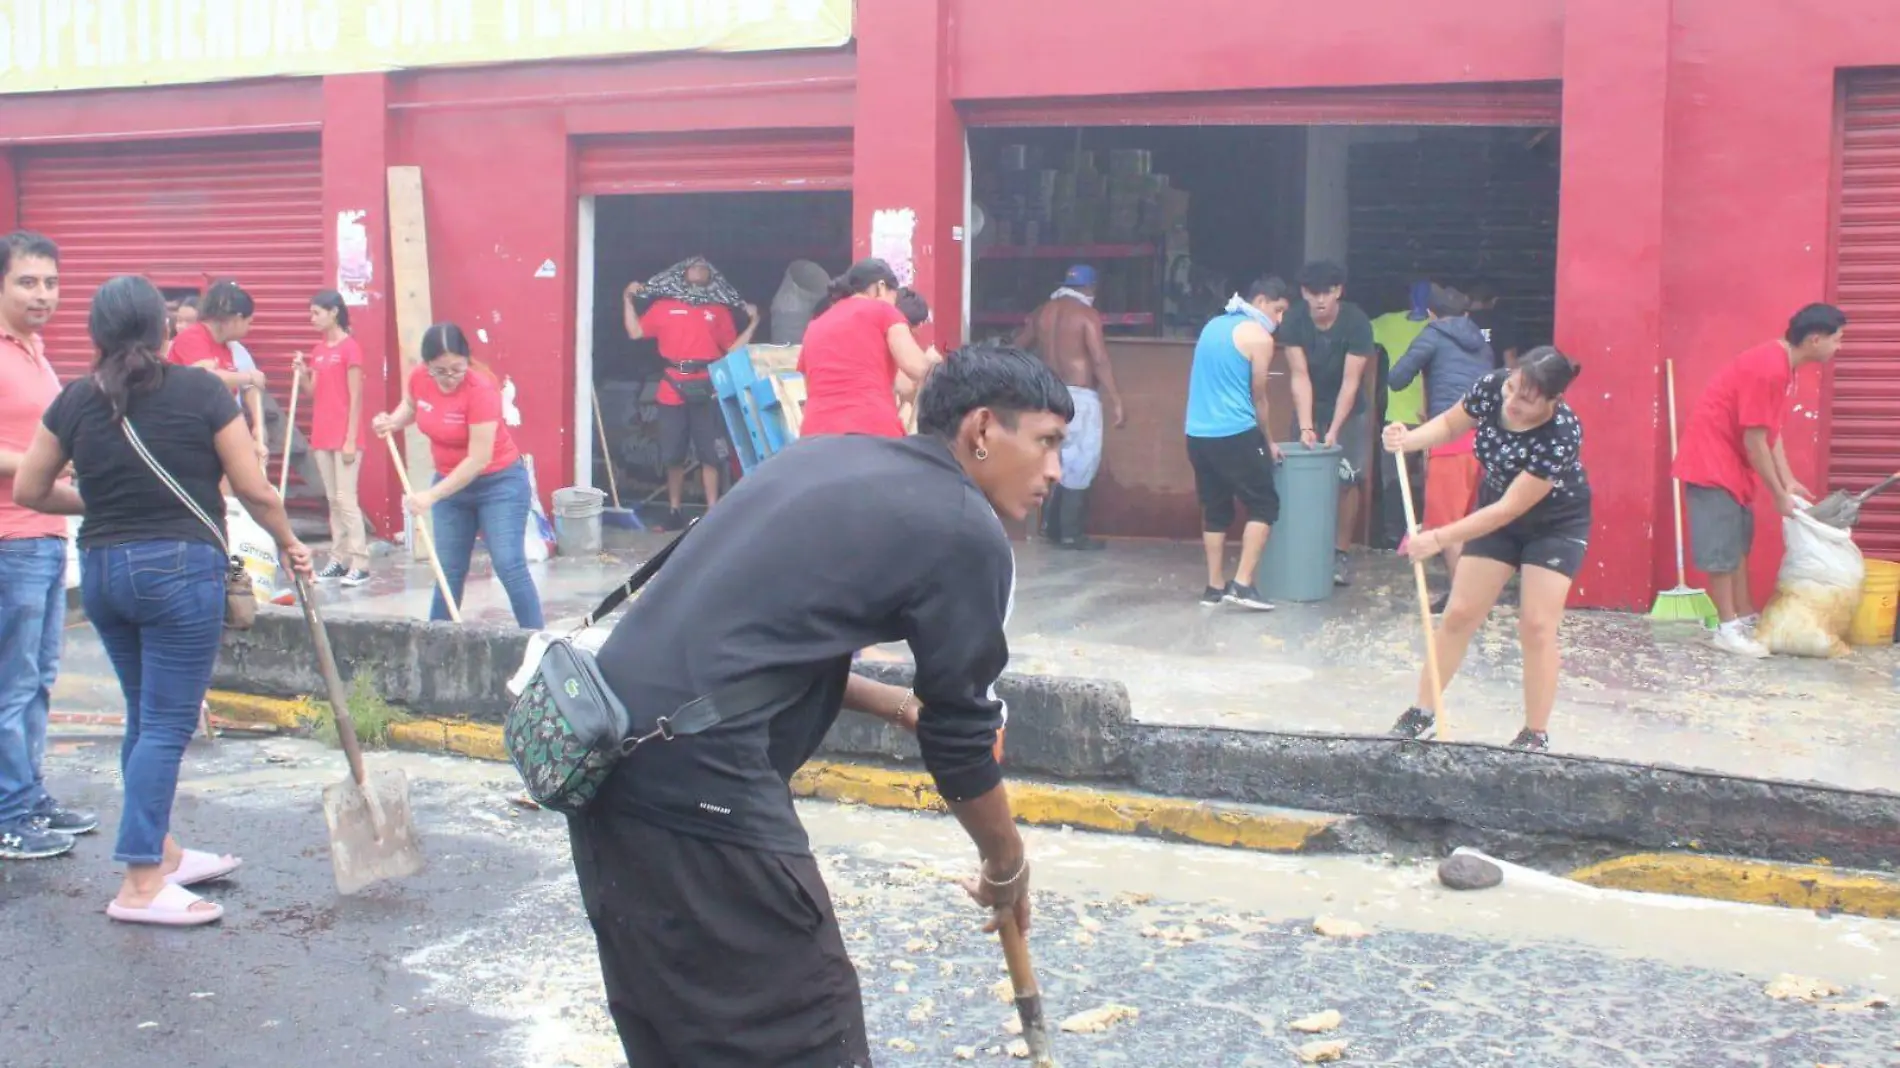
(909, 699)
(1021, 870)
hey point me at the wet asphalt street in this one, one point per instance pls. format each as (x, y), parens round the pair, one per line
(485, 960)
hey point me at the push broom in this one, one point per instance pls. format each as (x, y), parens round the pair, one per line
(1682, 603)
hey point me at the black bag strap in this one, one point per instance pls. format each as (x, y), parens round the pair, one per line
(704, 713)
(634, 581)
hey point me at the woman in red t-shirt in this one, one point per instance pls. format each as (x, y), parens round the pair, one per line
(481, 486)
(333, 374)
(853, 352)
(225, 316)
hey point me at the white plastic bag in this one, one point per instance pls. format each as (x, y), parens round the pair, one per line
(254, 545)
(538, 537)
(1816, 592)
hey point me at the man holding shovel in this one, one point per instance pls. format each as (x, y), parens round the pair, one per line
(716, 934)
(1733, 438)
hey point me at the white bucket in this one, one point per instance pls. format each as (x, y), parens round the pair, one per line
(577, 520)
(579, 502)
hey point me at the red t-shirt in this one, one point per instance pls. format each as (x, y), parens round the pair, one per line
(685, 331)
(444, 418)
(194, 345)
(330, 381)
(1752, 391)
(849, 370)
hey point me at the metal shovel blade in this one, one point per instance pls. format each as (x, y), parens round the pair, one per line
(372, 836)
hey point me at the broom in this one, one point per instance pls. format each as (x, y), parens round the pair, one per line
(1682, 603)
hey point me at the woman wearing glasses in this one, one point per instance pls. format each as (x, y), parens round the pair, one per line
(481, 485)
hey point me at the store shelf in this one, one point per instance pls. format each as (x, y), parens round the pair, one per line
(1108, 318)
(1065, 252)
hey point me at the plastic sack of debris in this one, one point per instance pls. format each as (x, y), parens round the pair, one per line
(1816, 593)
(252, 544)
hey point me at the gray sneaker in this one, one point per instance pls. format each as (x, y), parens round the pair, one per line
(27, 839)
(56, 817)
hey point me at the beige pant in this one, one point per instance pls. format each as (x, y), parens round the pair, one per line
(349, 545)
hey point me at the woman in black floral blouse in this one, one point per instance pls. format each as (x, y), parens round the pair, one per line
(1533, 517)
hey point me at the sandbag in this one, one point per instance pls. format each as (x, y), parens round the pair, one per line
(254, 545)
(1816, 592)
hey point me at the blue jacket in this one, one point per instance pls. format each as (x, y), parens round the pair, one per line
(1452, 354)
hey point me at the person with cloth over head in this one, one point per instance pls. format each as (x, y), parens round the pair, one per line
(717, 939)
(690, 317)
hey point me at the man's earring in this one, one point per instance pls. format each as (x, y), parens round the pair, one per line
(982, 454)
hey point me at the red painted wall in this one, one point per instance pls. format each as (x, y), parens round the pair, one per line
(498, 202)
(1609, 260)
(355, 178)
(1750, 180)
(1054, 48)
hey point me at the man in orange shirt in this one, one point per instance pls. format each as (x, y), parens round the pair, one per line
(32, 562)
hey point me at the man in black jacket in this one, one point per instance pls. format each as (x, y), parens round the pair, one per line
(717, 937)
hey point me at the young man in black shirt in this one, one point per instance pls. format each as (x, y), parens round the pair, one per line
(717, 937)
(1329, 347)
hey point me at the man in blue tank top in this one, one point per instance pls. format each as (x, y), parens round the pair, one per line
(1227, 439)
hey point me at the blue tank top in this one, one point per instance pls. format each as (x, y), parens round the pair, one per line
(1220, 385)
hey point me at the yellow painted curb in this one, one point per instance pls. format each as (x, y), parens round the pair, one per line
(1755, 882)
(1206, 823)
(277, 712)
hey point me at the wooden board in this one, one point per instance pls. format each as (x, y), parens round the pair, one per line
(409, 273)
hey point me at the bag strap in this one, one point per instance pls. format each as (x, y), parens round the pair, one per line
(704, 713)
(634, 581)
(164, 476)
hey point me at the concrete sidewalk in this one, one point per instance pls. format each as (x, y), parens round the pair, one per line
(1632, 690)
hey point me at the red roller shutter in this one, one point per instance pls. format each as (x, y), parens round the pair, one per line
(184, 213)
(1864, 406)
(1515, 104)
(737, 162)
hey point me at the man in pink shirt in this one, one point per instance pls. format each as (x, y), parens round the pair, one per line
(32, 562)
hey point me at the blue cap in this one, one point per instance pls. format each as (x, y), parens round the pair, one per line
(1079, 275)
(1421, 298)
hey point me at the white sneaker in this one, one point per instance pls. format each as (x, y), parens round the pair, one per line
(1730, 637)
(1750, 623)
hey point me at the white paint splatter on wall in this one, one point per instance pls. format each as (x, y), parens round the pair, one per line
(354, 271)
(893, 236)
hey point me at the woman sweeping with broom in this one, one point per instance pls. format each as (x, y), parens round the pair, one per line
(1533, 517)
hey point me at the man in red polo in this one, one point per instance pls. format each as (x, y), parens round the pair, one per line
(691, 320)
(1733, 439)
(32, 561)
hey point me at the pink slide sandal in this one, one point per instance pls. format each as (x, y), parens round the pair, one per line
(199, 866)
(171, 908)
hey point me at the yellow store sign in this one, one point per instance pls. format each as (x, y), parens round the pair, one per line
(95, 44)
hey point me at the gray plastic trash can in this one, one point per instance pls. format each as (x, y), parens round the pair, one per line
(1298, 565)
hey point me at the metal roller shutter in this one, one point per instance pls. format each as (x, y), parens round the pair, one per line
(739, 162)
(1863, 435)
(184, 213)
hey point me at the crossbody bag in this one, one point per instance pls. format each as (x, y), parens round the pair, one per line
(240, 603)
(567, 731)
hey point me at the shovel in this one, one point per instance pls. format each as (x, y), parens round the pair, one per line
(372, 836)
(1022, 979)
(1842, 511)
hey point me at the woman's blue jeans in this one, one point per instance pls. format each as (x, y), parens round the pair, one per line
(159, 609)
(496, 507)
